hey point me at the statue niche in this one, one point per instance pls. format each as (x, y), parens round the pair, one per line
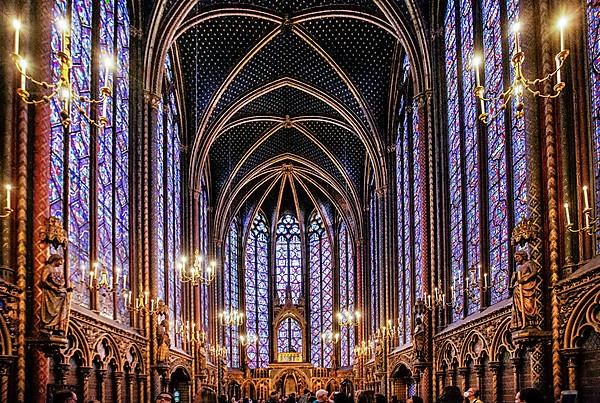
(56, 297)
(526, 293)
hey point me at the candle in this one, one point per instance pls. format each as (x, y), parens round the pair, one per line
(485, 280)
(8, 188)
(516, 28)
(63, 27)
(568, 215)
(558, 75)
(91, 278)
(562, 23)
(152, 305)
(444, 299)
(17, 27)
(146, 297)
(476, 62)
(586, 201)
(124, 281)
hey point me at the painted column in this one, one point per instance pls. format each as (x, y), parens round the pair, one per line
(84, 379)
(496, 368)
(118, 383)
(100, 376)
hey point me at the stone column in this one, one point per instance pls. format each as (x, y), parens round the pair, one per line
(4, 377)
(100, 376)
(118, 386)
(60, 373)
(480, 371)
(464, 373)
(142, 381)
(129, 378)
(517, 363)
(84, 379)
(571, 357)
(496, 368)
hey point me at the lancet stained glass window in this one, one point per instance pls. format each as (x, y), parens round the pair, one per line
(504, 175)
(593, 38)
(347, 302)
(257, 292)
(204, 301)
(288, 258)
(374, 269)
(289, 336)
(231, 293)
(110, 190)
(404, 186)
(321, 292)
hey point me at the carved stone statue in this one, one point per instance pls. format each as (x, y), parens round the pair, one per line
(379, 356)
(202, 355)
(164, 342)
(56, 297)
(419, 338)
(525, 283)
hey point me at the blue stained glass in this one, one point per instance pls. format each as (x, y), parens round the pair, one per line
(79, 152)
(122, 151)
(471, 151)
(204, 251)
(159, 218)
(231, 293)
(496, 155)
(257, 291)
(288, 258)
(289, 336)
(419, 179)
(346, 264)
(454, 163)
(593, 38)
(321, 296)
(374, 275)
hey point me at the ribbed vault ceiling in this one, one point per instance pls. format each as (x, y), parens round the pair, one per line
(296, 92)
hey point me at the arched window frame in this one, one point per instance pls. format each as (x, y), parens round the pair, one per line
(288, 257)
(321, 291)
(231, 291)
(486, 165)
(72, 164)
(347, 289)
(257, 291)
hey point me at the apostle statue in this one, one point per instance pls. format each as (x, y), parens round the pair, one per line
(164, 342)
(419, 338)
(202, 355)
(379, 355)
(56, 297)
(525, 284)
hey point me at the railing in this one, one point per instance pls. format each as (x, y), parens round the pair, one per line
(289, 357)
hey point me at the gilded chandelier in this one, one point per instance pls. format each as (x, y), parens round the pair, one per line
(520, 83)
(200, 272)
(592, 223)
(231, 318)
(62, 88)
(347, 318)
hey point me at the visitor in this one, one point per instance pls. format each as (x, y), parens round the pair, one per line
(451, 394)
(365, 396)
(305, 396)
(291, 398)
(414, 399)
(206, 395)
(322, 395)
(529, 395)
(472, 395)
(379, 398)
(164, 397)
(65, 396)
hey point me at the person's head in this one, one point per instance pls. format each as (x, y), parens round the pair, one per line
(472, 393)
(306, 391)
(451, 394)
(529, 395)
(379, 398)
(65, 396)
(93, 401)
(164, 397)
(415, 399)
(322, 395)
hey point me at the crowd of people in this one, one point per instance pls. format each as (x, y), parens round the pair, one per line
(450, 394)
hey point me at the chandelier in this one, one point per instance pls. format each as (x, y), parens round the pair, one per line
(7, 208)
(143, 303)
(346, 318)
(363, 350)
(231, 318)
(62, 88)
(191, 332)
(330, 337)
(218, 351)
(99, 279)
(520, 83)
(200, 272)
(248, 339)
(592, 223)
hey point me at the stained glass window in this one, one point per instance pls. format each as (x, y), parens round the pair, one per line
(257, 292)
(466, 142)
(111, 199)
(288, 258)
(231, 293)
(321, 292)
(204, 301)
(347, 297)
(289, 336)
(374, 270)
(172, 153)
(404, 186)
(593, 38)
